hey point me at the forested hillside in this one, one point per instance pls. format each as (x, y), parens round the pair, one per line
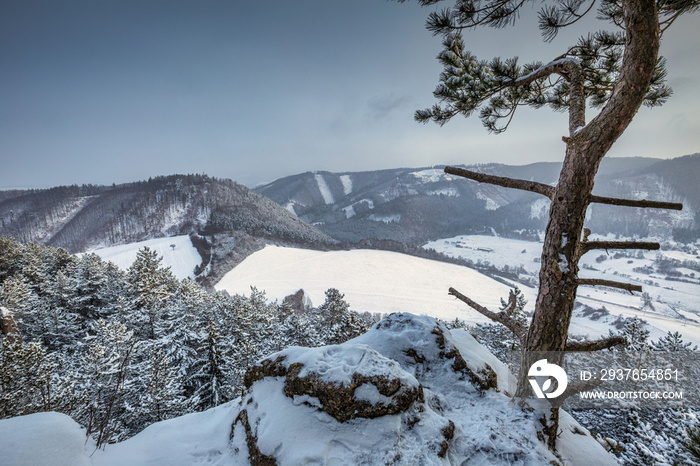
(118, 350)
(417, 205)
(78, 218)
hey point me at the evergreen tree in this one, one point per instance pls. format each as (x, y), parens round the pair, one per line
(635, 335)
(335, 306)
(105, 388)
(672, 342)
(25, 379)
(209, 378)
(162, 393)
(152, 285)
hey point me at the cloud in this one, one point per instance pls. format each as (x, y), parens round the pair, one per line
(380, 107)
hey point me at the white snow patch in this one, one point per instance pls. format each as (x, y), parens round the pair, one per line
(539, 208)
(347, 184)
(325, 190)
(43, 439)
(182, 259)
(290, 207)
(349, 211)
(490, 203)
(385, 218)
(431, 175)
(452, 192)
(198, 438)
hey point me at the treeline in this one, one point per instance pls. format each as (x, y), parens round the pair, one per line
(118, 350)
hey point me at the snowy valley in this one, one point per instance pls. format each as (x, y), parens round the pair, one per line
(185, 338)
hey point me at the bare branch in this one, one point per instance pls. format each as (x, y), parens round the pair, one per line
(595, 345)
(501, 317)
(612, 284)
(649, 246)
(637, 203)
(532, 186)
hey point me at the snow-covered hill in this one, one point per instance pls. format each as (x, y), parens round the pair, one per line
(177, 252)
(670, 277)
(373, 281)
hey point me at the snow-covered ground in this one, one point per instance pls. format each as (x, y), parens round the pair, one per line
(675, 298)
(385, 282)
(374, 281)
(434, 415)
(177, 252)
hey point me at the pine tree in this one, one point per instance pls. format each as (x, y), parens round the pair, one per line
(162, 392)
(635, 335)
(25, 378)
(209, 379)
(615, 72)
(105, 388)
(672, 342)
(334, 307)
(152, 285)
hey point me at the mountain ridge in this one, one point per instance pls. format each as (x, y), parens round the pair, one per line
(414, 205)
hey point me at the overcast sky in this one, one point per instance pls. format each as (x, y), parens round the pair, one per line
(96, 91)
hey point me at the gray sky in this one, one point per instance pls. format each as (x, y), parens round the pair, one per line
(98, 91)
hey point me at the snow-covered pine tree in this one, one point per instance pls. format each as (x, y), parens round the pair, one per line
(25, 378)
(635, 335)
(152, 285)
(515, 306)
(334, 307)
(162, 391)
(209, 379)
(105, 388)
(672, 342)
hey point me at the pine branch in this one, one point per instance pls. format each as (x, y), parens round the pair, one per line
(532, 186)
(637, 203)
(589, 245)
(612, 284)
(501, 317)
(595, 345)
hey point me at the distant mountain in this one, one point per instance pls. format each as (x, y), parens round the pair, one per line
(416, 205)
(233, 219)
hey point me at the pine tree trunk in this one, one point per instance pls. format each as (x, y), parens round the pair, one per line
(586, 147)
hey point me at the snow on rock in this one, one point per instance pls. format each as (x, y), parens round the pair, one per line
(347, 184)
(182, 258)
(50, 439)
(407, 392)
(325, 190)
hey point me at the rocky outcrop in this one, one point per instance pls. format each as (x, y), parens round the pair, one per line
(8, 326)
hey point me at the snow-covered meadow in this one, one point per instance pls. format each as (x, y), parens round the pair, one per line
(674, 290)
(178, 253)
(374, 281)
(385, 282)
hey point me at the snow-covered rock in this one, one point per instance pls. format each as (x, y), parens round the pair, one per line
(409, 391)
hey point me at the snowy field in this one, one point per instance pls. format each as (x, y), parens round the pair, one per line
(386, 282)
(177, 253)
(674, 290)
(374, 281)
